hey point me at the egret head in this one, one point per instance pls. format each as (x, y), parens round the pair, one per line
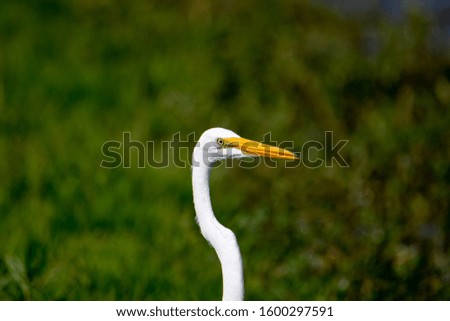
(218, 144)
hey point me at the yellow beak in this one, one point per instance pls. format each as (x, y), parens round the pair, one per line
(253, 148)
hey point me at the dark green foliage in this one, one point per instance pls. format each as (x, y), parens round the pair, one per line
(75, 74)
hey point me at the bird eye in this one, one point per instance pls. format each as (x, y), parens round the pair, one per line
(220, 141)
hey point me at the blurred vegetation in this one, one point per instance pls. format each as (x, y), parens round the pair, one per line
(75, 74)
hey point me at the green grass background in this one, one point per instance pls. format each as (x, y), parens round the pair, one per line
(75, 74)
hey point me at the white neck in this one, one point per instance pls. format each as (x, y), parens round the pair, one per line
(222, 239)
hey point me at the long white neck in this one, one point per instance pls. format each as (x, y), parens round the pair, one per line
(222, 239)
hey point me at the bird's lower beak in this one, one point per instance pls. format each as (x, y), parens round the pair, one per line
(253, 148)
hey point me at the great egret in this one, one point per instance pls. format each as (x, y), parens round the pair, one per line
(218, 144)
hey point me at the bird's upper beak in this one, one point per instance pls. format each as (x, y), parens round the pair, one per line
(253, 148)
